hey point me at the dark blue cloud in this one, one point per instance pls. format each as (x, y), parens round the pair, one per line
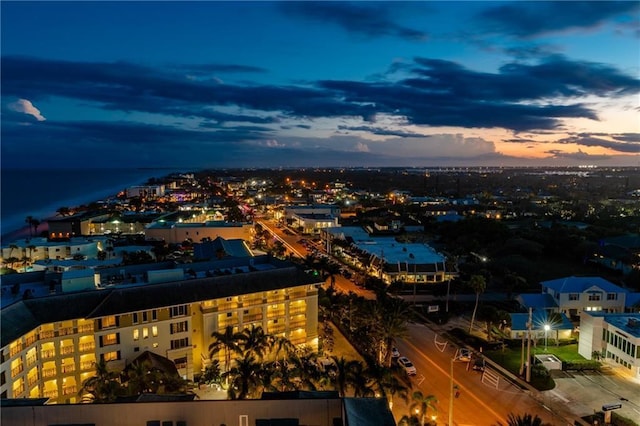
(370, 19)
(382, 131)
(438, 93)
(586, 139)
(525, 19)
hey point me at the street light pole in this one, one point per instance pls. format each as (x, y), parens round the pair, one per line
(451, 394)
(547, 327)
(529, 323)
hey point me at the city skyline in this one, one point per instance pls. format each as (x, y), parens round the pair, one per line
(281, 84)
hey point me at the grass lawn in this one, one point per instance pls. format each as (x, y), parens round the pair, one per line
(511, 359)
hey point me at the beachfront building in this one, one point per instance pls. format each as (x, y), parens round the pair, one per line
(322, 408)
(51, 343)
(146, 191)
(38, 249)
(385, 257)
(614, 338)
(74, 226)
(178, 232)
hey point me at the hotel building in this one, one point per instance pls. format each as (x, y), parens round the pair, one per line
(50, 343)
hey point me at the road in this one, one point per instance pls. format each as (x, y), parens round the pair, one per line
(480, 403)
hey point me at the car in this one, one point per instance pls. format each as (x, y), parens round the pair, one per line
(395, 353)
(408, 366)
(478, 364)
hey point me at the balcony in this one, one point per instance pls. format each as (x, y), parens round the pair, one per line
(49, 372)
(86, 328)
(65, 331)
(50, 394)
(32, 380)
(15, 350)
(87, 365)
(67, 350)
(69, 390)
(70, 368)
(275, 314)
(46, 354)
(298, 323)
(86, 347)
(298, 310)
(17, 370)
(252, 317)
(276, 328)
(31, 360)
(47, 334)
(18, 390)
(31, 340)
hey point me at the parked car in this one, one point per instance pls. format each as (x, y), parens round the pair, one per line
(408, 366)
(478, 364)
(395, 353)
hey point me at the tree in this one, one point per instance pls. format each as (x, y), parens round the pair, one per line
(391, 316)
(104, 386)
(341, 373)
(423, 402)
(63, 211)
(141, 378)
(228, 341)
(256, 341)
(522, 420)
(245, 377)
(479, 285)
(212, 374)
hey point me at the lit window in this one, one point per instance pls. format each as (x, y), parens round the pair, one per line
(154, 331)
(145, 333)
(136, 334)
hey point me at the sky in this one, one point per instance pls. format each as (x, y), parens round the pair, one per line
(319, 84)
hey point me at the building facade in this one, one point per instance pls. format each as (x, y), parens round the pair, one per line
(614, 338)
(50, 344)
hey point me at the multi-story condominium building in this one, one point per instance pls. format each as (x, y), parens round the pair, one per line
(176, 232)
(614, 337)
(50, 343)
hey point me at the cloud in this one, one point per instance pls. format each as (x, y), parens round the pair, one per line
(362, 147)
(25, 106)
(585, 139)
(518, 97)
(579, 155)
(531, 19)
(369, 19)
(381, 131)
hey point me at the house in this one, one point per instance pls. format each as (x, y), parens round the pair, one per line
(557, 330)
(574, 295)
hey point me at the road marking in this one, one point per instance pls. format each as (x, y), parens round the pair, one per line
(559, 396)
(467, 391)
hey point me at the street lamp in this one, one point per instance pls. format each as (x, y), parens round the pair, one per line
(547, 327)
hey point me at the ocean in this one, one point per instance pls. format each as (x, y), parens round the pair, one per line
(40, 192)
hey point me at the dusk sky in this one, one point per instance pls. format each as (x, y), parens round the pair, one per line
(269, 84)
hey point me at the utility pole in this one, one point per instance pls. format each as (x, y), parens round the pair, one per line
(451, 393)
(529, 324)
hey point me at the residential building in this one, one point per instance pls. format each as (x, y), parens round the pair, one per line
(284, 409)
(176, 232)
(614, 338)
(574, 295)
(50, 343)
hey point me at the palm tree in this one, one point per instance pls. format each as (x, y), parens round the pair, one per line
(104, 386)
(229, 341)
(363, 385)
(245, 377)
(389, 385)
(522, 420)
(141, 378)
(479, 285)
(256, 341)
(423, 402)
(391, 316)
(29, 221)
(341, 373)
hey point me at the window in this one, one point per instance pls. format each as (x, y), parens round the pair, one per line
(612, 296)
(110, 321)
(574, 296)
(110, 339)
(145, 317)
(154, 315)
(145, 333)
(178, 311)
(180, 343)
(136, 334)
(135, 318)
(154, 331)
(179, 327)
(111, 356)
(594, 297)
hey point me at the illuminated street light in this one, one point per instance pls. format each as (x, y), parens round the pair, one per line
(547, 327)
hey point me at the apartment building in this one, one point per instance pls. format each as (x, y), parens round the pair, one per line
(176, 232)
(50, 344)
